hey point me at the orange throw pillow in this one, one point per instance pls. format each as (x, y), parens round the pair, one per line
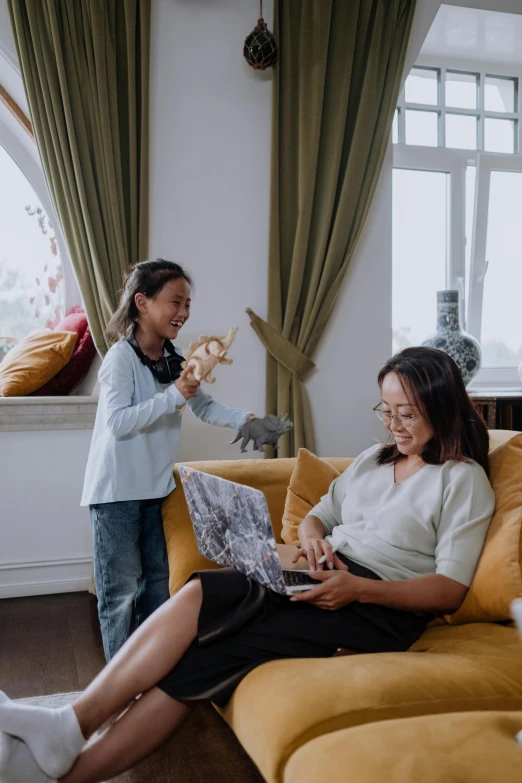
(34, 361)
(310, 481)
(497, 581)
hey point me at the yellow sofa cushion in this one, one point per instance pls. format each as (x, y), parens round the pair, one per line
(475, 747)
(449, 669)
(34, 361)
(309, 482)
(497, 581)
(498, 437)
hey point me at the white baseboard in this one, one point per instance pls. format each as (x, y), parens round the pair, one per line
(45, 577)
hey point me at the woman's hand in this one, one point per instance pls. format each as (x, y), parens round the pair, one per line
(187, 387)
(313, 549)
(336, 589)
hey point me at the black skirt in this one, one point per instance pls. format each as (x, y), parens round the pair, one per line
(242, 625)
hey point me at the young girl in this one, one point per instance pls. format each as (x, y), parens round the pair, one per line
(133, 448)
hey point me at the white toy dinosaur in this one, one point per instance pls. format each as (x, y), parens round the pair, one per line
(205, 354)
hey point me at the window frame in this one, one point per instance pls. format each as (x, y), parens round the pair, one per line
(455, 162)
(482, 70)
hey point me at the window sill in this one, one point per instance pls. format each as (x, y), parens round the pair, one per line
(495, 391)
(47, 413)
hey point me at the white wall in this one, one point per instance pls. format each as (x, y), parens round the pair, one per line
(210, 149)
(45, 540)
(8, 47)
(210, 152)
(343, 389)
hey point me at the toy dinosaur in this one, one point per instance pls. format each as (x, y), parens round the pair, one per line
(205, 354)
(261, 431)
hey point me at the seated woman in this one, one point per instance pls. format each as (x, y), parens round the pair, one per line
(407, 522)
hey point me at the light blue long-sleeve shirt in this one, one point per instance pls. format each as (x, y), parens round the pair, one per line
(137, 428)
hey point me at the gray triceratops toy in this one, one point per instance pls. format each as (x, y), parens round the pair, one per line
(261, 431)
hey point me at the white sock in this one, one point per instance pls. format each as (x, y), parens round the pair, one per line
(18, 764)
(54, 736)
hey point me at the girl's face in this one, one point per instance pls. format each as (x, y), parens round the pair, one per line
(401, 416)
(165, 313)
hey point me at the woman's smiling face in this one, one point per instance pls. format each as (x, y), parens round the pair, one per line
(398, 401)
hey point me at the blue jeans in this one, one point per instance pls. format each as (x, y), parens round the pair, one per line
(131, 570)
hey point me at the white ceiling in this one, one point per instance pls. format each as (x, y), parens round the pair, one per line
(470, 33)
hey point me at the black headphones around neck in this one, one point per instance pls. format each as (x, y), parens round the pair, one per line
(165, 370)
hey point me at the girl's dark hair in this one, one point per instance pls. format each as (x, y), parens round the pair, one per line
(148, 278)
(435, 382)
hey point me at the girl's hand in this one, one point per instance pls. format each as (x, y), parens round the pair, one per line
(186, 387)
(336, 589)
(251, 417)
(313, 550)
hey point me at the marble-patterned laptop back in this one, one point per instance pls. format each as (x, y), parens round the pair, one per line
(232, 526)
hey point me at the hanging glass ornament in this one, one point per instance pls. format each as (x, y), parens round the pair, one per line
(260, 49)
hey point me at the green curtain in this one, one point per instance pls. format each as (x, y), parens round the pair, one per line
(85, 67)
(335, 90)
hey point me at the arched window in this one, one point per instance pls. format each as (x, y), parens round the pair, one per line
(32, 290)
(37, 282)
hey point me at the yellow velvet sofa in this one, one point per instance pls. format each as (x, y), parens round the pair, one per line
(345, 717)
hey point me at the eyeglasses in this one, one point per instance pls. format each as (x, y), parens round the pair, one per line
(405, 419)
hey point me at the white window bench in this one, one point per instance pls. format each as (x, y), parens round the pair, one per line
(47, 413)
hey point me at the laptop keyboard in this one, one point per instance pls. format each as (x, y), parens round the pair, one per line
(298, 578)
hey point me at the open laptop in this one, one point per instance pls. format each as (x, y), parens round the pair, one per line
(232, 527)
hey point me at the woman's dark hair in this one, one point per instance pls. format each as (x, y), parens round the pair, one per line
(148, 278)
(435, 383)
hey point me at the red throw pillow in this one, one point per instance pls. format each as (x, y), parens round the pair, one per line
(73, 372)
(74, 321)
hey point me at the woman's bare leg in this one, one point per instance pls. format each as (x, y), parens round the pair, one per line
(140, 730)
(150, 653)
(54, 737)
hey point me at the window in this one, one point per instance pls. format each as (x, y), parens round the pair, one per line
(439, 107)
(420, 204)
(457, 191)
(31, 277)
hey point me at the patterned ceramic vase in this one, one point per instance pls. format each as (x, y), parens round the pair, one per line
(451, 339)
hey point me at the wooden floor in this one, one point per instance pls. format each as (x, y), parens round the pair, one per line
(49, 644)
(52, 644)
